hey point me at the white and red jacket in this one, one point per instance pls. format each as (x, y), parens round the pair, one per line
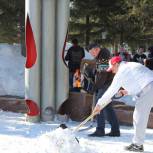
(132, 76)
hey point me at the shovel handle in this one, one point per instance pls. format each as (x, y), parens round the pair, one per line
(91, 116)
(85, 121)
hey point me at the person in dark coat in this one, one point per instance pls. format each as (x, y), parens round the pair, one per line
(140, 56)
(102, 82)
(149, 60)
(74, 57)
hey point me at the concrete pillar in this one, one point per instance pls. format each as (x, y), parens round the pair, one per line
(48, 60)
(46, 76)
(32, 68)
(62, 84)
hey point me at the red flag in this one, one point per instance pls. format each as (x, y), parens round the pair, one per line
(31, 52)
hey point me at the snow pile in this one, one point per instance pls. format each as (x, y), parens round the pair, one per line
(11, 70)
(64, 141)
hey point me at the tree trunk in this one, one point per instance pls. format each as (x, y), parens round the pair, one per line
(22, 33)
(87, 35)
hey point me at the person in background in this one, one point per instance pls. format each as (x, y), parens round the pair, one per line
(150, 49)
(74, 56)
(140, 56)
(149, 60)
(137, 80)
(102, 81)
(115, 53)
(124, 54)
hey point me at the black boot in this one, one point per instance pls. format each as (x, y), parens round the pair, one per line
(113, 134)
(134, 147)
(97, 133)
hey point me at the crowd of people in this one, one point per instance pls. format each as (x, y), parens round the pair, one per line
(76, 54)
(115, 72)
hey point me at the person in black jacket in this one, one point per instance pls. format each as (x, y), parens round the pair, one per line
(139, 56)
(102, 82)
(149, 60)
(74, 56)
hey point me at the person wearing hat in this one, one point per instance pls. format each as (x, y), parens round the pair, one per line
(102, 81)
(137, 80)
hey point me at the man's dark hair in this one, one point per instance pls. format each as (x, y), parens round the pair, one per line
(142, 47)
(150, 48)
(150, 52)
(75, 41)
(92, 45)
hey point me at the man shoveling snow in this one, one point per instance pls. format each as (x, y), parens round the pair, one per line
(137, 80)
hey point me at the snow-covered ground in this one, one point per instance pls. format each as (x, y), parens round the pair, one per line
(11, 70)
(19, 136)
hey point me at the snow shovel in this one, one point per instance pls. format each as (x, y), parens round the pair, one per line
(63, 126)
(84, 122)
(90, 117)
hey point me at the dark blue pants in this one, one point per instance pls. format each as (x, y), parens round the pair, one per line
(106, 113)
(71, 74)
